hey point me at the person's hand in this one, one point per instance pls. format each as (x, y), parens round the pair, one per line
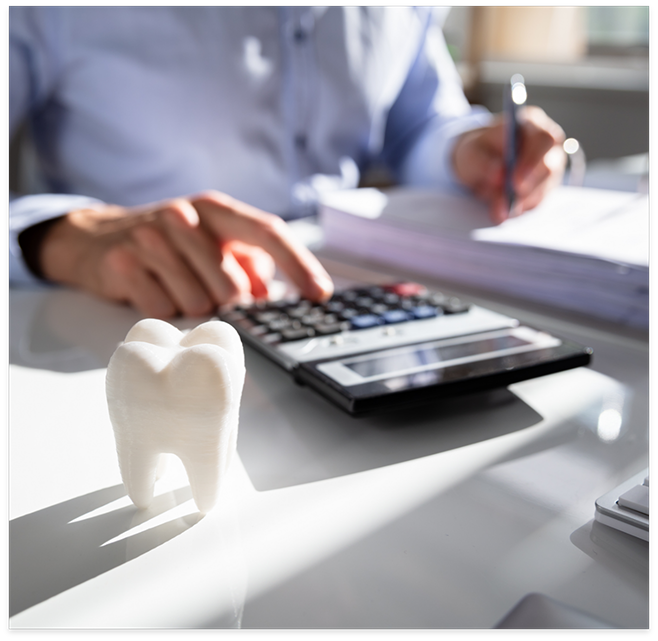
(479, 165)
(181, 256)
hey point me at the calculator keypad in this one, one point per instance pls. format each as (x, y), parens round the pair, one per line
(352, 309)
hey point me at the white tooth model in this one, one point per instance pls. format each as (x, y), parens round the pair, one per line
(170, 392)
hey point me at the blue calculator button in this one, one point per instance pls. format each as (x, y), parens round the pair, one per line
(365, 320)
(396, 316)
(424, 311)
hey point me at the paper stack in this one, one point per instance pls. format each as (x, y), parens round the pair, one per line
(581, 249)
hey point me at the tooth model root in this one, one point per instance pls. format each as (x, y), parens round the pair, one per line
(138, 472)
(170, 392)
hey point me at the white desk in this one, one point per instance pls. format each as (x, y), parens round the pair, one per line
(444, 517)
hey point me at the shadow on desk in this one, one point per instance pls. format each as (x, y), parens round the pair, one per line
(59, 547)
(291, 435)
(621, 553)
(68, 331)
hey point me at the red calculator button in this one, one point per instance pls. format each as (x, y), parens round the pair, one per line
(406, 289)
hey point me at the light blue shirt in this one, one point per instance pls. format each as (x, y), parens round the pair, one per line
(272, 105)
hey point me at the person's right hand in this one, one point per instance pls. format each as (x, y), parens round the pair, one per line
(478, 161)
(181, 256)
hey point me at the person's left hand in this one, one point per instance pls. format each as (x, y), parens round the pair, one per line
(478, 162)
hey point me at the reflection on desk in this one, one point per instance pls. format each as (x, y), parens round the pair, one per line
(299, 444)
(405, 521)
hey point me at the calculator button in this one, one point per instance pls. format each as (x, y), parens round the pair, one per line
(334, 306)
(365, 320)
(326, 329)
(425, 311)
(377, 308)
(258, 330)
(267, 317)
(455, 306)
(434, 298)
(279, 324)
(406, 289)
(348, 313)
(347, 296)
(390, 298)
(299, 311)
(311, 320)
(395, 316)
(234, 316)
(296, 334)
(375, 292)
(364, 301)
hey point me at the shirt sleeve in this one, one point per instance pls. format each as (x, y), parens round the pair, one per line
(32, 72)
(429, 114)
(31, 210)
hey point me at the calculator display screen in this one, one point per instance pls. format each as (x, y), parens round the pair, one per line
(443, 357)
(427, 355)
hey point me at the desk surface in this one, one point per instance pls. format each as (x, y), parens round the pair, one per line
(443, 517)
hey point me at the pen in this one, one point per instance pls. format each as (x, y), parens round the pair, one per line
(514, 96)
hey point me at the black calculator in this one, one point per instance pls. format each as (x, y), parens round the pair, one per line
(374, 348)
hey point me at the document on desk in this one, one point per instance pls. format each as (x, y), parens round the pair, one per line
(581, 249)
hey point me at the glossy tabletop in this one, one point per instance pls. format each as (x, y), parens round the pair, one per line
(441, 517)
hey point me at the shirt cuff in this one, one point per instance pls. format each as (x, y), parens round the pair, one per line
(31, 210)
(429, 163)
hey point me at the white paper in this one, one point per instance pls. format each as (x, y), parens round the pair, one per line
(581, 249)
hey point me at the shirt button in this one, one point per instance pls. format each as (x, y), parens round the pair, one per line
(299, 35)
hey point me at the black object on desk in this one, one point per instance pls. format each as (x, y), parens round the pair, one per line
(375, 348)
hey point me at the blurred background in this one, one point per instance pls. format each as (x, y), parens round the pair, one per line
(587, 67)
